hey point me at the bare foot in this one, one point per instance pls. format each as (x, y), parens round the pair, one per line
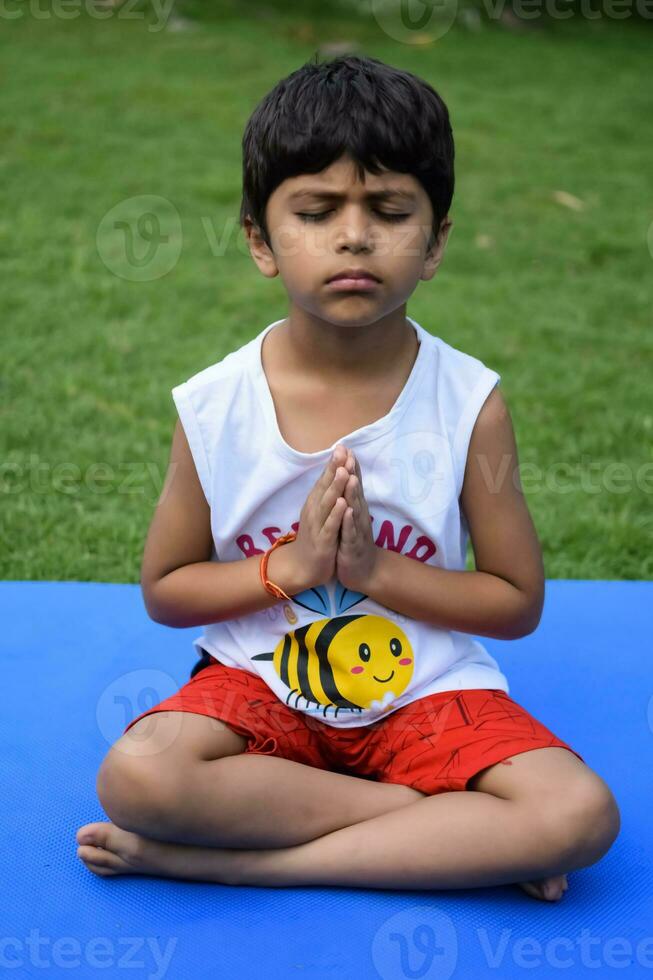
(107, 850)
(550, 889)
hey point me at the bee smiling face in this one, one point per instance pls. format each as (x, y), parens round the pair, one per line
(372, 660)
(346, 662)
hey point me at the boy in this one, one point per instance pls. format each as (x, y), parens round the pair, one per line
(322, 483)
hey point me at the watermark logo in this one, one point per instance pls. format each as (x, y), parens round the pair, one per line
(416, 471)
(417, 942)
(129, 696)
(415, 21)
(425, 21)
(140, 239)
(423, 942)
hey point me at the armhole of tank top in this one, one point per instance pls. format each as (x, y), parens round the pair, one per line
(194, 436)
(486, 382)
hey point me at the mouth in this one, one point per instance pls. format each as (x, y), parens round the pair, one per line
(384, 680)
(349, 285)
(357, 280)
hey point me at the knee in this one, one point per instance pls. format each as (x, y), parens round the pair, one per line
(134, 792)
(587, 821)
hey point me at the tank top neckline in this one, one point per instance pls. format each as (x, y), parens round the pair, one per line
(362, 435)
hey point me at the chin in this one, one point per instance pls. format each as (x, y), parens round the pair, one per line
(352, 314)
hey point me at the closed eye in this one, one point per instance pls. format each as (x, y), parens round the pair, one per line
(319, 215)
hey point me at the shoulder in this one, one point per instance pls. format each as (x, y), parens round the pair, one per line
(463, 380)
(467, 389)
(492, 436)
(230, 367)
(494, 414)
(455, 359)
(492, 447)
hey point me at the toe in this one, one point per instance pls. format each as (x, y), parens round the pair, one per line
(102, 861)
(95, 855)
(552, 892)
(99, 869)
(93, 833)
(547, 889)
(555, 886)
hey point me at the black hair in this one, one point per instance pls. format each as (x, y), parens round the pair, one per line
(379, 115)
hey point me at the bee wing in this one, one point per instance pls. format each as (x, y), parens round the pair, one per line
(317, 600)
(346, 598)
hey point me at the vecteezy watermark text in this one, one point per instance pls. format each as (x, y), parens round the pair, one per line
(39, 476)
(425, 21)
(421, 473)
(96, 9)
(98, 952)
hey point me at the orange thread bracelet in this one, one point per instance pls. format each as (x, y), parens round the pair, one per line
(269, 586)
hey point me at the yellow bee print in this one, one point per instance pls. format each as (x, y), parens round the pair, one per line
(348, 662)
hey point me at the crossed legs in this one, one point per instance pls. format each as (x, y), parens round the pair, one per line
(258, 820)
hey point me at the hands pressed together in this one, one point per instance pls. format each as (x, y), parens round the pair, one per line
(335, 530)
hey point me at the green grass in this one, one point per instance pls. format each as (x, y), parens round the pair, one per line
(558, 301)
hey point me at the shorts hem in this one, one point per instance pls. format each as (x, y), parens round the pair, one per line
(197, 710)
(503, 755)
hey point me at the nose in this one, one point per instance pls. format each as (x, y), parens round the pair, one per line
(354, 230)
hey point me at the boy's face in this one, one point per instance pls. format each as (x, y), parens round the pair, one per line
(346, 228)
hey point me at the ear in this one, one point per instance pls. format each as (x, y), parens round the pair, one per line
(259, 249)
(434, 255)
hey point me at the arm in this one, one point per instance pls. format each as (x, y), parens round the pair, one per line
(181, 586)
(504, 597)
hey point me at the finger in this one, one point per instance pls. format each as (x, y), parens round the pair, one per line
(359, 474)
(357, 501)
(329, 490)
(352, 488)
(354, 471)
(348, 529)
(364, 519)
(340, 453)
(328, 498)
(334, 490)
(321, 488)
(350, 494)
(332, 464)
(333, 521)
(358, 494)
(358, 514)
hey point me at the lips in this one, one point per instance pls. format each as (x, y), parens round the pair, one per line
(354, 274)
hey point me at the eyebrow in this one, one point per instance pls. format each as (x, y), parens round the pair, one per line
(370, 195)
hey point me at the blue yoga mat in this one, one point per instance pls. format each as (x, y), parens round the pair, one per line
(80, 660)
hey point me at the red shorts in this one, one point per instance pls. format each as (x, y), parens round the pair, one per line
(435, 744)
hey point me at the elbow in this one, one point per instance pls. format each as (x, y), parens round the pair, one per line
(163, 612)
(155, 615)
(516, 631)
(152, 608)
(157, 619)
(528, 619)
(519, 631)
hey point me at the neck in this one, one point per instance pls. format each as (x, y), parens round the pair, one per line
(347, 351)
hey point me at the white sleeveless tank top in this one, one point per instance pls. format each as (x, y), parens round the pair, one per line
(334, 654)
